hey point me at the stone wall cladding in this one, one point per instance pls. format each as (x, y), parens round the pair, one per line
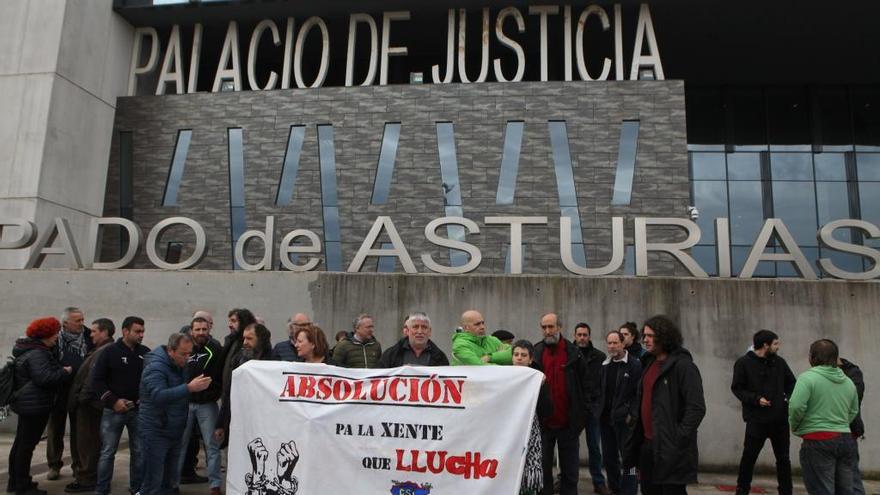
(593, 112)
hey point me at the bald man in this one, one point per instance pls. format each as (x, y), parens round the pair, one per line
(285, 351)
(471, 345)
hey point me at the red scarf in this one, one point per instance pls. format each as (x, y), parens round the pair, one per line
(555, 358)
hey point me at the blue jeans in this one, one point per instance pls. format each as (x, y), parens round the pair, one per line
(827, 465)
(858, 485)
(206, 415)
(594, 440)
(613, 437)
(112, 424)
(164, 466)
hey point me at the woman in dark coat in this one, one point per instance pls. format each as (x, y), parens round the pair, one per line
(38, 374)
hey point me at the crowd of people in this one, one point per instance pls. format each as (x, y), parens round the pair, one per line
(639, 406)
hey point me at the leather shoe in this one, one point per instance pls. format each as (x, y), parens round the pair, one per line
(53, 475)
(76, 487)
(601, 490)
(194, 479)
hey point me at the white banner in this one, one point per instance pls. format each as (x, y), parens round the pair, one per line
(309, 429)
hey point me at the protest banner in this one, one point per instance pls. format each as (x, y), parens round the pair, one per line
(307, 429)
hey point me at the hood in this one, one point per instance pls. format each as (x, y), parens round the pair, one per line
(680, 354)
(468, 337)
(160, 357)
(27, 344)
(830, 373)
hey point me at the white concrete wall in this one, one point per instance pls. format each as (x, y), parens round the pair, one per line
(718, 317)
(62, 65)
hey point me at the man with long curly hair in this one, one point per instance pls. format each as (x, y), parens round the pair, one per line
(671, 406)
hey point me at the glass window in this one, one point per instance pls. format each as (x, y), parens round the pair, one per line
(236, 167)
(791, 166)
(290, 170)
(509, 163)
(448, 164)
(327, 157)
(705, 116)
(578, 253)
(832, 201)
(126, 173)
(178, 162)
(844, 261)
(386, 264)
(795, 204)
(831, 111)
(385, 168)
(744, 166)
(706, 257)
(869, 198)
(562, 163)
(787, 115)
(626, 162)
(866, 117)
(746, 116)
(710, 198)
(787, 269)
(868, 166)
(746, 211)
(455, 232)
(830, 166)
(739, 255)
(332, 235)
(707, 166)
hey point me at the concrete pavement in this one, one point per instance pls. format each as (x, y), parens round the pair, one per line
(710, 483)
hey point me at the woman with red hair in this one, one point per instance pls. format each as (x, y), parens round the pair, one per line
(311, 345)
(38, 374)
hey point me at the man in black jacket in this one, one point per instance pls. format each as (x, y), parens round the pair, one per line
(620, 377)
(416, 348)
(564, 369)
(670, 408)
(205, 360)
(857, 427)
(116, 379)
(763, 382)
(593, 359)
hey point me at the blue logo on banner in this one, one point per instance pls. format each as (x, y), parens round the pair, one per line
(410, 488)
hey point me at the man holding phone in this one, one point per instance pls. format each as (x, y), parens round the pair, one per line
(116, 380)
(163, 412)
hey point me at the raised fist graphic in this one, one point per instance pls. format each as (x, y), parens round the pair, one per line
(259, 454)
(287, 458)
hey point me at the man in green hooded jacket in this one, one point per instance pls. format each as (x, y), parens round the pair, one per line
(822, 406)
(471, 345)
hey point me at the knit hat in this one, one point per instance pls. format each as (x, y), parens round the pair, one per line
(503, 335)
(43, 328)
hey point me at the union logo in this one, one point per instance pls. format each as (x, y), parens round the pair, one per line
(410, 488)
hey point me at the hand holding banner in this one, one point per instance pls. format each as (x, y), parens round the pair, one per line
(305, 428)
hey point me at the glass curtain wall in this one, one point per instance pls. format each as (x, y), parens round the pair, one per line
(802, 154)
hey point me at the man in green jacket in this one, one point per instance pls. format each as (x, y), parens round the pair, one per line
(821, 408)
(471, 345)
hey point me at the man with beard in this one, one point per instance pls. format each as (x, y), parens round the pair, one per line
(763, 382)
(564, 369)
(203, 410)
(669, 408)
(256, 344)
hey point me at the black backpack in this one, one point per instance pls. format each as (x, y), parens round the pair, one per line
(7, 382)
